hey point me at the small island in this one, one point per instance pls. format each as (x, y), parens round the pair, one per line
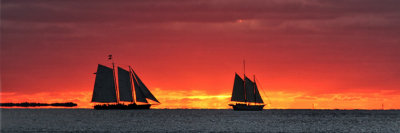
(27, 104)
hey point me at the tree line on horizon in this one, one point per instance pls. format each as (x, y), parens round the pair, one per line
(27, 104)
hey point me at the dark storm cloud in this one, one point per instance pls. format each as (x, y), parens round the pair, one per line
(189, 10)
(273, 16)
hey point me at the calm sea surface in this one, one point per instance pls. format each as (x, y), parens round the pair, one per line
(187, 120)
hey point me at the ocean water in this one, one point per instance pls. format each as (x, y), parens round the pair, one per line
(191, 120)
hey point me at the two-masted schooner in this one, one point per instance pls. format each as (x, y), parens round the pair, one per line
(245, 95)
(130, 89)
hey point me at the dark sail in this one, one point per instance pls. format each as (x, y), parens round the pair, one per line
(104, 86)
(238, 93)
(144, 90)
(249, 90)
(125, 85)
(258, 98)
(140, 97)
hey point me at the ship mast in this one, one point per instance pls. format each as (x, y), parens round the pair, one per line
(115, 80)
(244, 81)
(254, 86)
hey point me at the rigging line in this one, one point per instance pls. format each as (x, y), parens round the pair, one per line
(269, 101)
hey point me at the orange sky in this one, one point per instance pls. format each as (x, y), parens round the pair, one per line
(333, 55)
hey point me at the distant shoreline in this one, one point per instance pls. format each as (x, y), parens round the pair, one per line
(27, 104)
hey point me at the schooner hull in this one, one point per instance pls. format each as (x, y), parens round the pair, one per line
(121, 106)
(245, 107)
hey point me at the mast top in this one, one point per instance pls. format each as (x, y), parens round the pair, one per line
(244, 67)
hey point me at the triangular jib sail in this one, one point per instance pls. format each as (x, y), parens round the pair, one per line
(104, 86)
(140, 97)
(258, 98)
(142, 92)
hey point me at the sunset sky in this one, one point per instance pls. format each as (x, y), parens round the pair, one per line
(339, 54)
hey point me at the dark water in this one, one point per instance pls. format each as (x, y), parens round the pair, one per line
(87, 120)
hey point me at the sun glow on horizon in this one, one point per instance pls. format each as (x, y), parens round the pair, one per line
(195, 99)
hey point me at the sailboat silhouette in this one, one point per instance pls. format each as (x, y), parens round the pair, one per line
(245, 94)
(131, 89)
